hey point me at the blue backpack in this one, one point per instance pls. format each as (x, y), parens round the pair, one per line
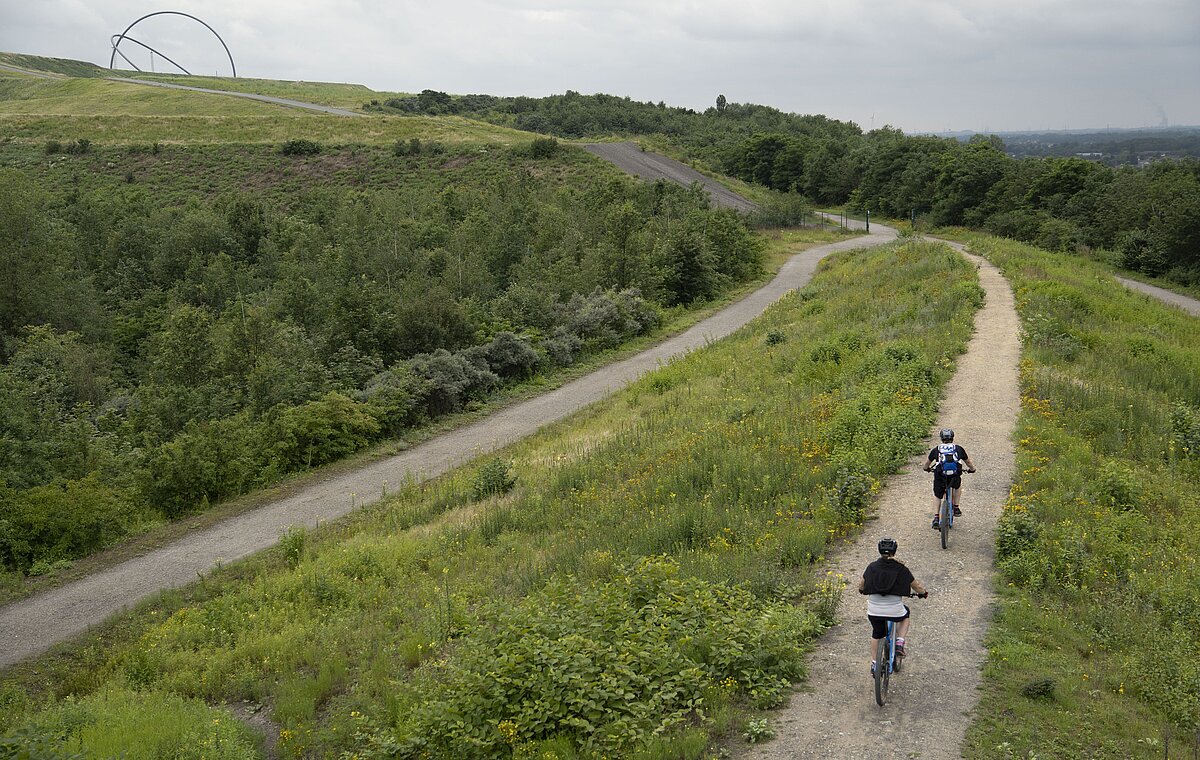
(947, 459)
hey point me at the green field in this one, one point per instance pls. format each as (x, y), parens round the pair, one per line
(1094, 652)
(340, 95)
(657, 551)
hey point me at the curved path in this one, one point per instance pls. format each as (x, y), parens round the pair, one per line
(835, 716)
(1187, 303)
(33, 625)
(630, 158)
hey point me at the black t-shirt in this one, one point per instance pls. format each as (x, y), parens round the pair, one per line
(887, 576)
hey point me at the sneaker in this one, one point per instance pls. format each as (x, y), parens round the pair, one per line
(872, 668)
(936, 523)
(900, 652)
(957, 511)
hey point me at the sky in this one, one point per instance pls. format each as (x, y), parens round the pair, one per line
(919, 65)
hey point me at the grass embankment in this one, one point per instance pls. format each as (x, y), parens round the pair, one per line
(1094, 652)
(34, 111)
(339, 95)
(646, 581)
(179, 173)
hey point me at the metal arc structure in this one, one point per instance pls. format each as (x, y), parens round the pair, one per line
(117, 39)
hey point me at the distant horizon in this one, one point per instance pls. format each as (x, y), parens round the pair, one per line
(946, 132)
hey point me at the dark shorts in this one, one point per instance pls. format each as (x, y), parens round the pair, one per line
(879, 624)
(941, 481)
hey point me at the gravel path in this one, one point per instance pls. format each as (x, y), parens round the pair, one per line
(249, 95)
(30, 72)
(1188, 304)
(33, 625)
(630, 158)
(835, 716)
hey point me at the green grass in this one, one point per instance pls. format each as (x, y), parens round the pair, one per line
(278, 126)
(64, 66)
(176, 173)
(22, 95)
(340, 95)
(656, 554)
(1098, 543)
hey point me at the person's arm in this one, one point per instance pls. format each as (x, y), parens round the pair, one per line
(862, 585)
(918, 586)
(967, 459)
(929, 460)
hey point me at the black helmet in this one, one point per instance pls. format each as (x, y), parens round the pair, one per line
(888, 546)
(947, 435)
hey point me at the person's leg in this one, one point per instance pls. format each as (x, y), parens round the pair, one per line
(901, 631)
(939, 490)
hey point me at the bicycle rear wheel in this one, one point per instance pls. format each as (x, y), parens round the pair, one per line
(944, 517)
(882, 668)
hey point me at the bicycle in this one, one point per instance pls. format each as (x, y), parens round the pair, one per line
(886, 654)
(946, 512)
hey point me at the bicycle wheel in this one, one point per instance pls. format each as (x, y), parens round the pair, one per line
(882, 668)
(944, 517)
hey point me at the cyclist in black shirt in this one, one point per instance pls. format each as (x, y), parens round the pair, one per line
(887, 581)
(946, 461)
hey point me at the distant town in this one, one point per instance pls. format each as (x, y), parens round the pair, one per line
(1113, 147)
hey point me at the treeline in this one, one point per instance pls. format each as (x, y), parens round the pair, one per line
(573, 115)
(1147, 215)
(158, 359)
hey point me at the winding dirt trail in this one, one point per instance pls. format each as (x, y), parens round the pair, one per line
(835, 716)
(33, 625)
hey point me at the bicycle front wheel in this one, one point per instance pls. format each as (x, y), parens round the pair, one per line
(881, 670)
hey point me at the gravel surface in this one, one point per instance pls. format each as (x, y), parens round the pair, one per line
(248, 95)
(835, 715)
(630, 158)
(30, 72)
(1188, 304)
(33, 625)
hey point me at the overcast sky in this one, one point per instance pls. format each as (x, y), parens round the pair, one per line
(920, 65)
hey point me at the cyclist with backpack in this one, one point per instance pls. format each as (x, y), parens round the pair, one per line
(887, 581)
(946, 461)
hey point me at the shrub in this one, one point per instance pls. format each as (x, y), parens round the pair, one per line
(80, 146)
(321, 431)
(300, 147)
(450, 381)
(53, 146)
(207, 462)
(494, 478)
(604, 667)
(509, 356)
(292, 542)
(395, 396)
(562, 347)
(543, 147)
(49, 523)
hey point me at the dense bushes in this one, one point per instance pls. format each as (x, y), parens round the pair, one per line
(180, 356)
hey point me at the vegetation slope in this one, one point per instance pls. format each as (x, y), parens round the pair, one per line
(627, 583)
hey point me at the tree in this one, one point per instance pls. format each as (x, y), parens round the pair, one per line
(721, 105)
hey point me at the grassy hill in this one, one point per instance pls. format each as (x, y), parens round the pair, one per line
(221, 274)
(632, 582)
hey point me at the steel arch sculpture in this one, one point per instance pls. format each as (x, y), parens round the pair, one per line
(117, 39)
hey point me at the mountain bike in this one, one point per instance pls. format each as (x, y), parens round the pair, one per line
(886, 659)
(946, 512)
